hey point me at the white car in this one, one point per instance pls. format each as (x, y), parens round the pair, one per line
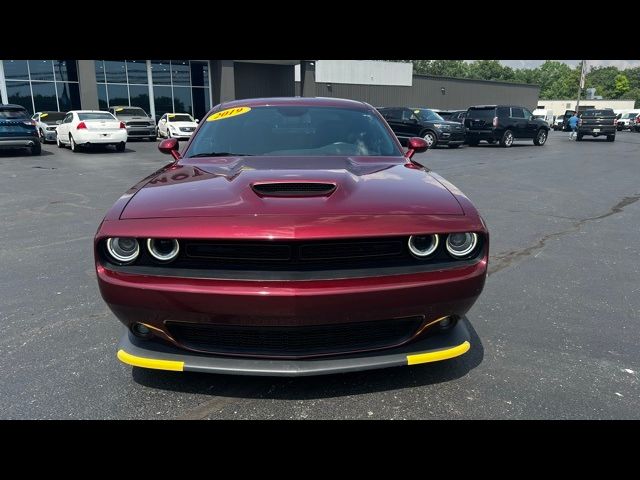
(176, 125)
(91, 127)
(46, 124)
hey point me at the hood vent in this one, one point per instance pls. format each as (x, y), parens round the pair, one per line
(291, 189)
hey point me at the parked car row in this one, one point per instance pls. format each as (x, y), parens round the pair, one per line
(79, 128)
(492, 123)
(629, 120)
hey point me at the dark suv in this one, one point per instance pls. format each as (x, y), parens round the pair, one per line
(18, 130)
(504, 124)
(425, 123)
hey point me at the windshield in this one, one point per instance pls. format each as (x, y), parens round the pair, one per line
(179, 118)
(130, 112)
(292, 130)
(428, 115)
(629, 115)
(13, 113)
(95, 116)
(52, 117)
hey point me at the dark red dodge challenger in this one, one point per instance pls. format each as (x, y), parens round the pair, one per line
(292, 237)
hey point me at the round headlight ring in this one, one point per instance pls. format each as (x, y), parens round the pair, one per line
(121, 254)
(163, 257)
(435, 241)
(471, 239)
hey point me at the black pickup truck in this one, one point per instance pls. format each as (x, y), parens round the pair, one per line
(597, 122)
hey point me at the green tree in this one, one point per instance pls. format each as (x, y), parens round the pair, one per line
(632, 94)
(490, 70)
(622, 85)
(603, 79)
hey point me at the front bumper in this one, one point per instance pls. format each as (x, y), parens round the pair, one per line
(50, 135)
(451, 138)
(141, 132)
(139, 353)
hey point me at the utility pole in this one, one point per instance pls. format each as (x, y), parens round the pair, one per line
(583, 74)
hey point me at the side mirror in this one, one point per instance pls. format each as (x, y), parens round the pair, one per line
(416, 145)
(197, 120)
(170, 145)
(58, 122)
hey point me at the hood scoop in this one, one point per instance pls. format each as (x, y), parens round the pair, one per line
(293, 189)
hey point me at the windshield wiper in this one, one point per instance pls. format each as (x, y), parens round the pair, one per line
(220, 154)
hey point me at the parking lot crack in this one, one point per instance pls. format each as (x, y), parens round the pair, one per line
(500, 262)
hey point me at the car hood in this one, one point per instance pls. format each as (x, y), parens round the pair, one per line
(223, 187)
(125, 118)
(183, 124)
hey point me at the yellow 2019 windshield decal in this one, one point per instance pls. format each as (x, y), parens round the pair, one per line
(228, 113)
(44, 115)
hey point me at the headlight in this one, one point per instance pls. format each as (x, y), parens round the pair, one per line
(423, 245)
(123, 249)
(163, 250)
(461, 244)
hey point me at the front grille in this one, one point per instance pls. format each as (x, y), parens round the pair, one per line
(294, 341)
(138, 124)
(293, 189)
(298, 255)
(187, 129)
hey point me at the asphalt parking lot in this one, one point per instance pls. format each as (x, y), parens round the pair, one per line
(555, 333)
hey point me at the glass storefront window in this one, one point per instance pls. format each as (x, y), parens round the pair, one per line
(163, 100)
(115, 71)
(199, 75)
(180, 72)
(67, 70)
(102, 97)
(44, 96)
(160, 72)
(118, 94)
(20, 94)
(100, 76)
(182, 100)
(69, 96)
(140, 96)
(41, 69)
(16, 69)
(137, 71)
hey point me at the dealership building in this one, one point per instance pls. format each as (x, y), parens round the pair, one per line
(193, 86)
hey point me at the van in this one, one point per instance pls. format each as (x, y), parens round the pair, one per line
(546, 115)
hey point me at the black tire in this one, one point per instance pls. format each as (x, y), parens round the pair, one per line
(454, 146)
(507, 139)
(59, 143)
(152, 139)
(578, 138)
(74, 146)
(431, 138)
(541, 137)
(36, 149)
(611, 138)
(120, 147)
(473, 143)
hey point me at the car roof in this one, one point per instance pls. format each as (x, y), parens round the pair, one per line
(297, 101)
(88, 111)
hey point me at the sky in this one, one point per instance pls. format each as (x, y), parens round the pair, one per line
(621, 64)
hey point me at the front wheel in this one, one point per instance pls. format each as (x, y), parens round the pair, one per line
(120, 147)
(578, 138)
(59, 143)
(541, 137)
(431, 139)
(611, 138)
(507, 139)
